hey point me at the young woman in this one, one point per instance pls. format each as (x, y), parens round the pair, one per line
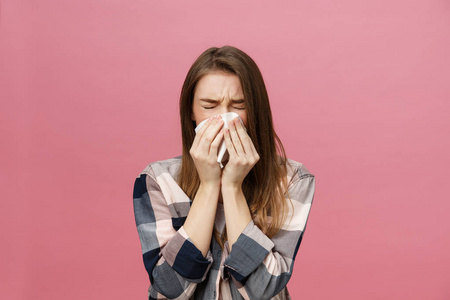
(231, 233)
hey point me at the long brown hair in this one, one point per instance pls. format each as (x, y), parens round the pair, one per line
(265, 187)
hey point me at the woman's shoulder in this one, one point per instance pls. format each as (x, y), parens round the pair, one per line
(297, 169)
(156, 168)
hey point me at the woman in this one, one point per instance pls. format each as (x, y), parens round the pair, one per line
(231, 233)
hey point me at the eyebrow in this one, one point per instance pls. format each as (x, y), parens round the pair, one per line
(214, 100)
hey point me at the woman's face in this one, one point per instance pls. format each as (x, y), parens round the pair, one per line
(218, 93)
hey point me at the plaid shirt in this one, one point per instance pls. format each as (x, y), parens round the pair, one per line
(258, 267)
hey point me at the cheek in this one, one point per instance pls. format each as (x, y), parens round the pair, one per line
(198, 115)
(201, 116)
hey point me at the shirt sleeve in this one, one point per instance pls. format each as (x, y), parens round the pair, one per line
(261, 267)
(173, 263)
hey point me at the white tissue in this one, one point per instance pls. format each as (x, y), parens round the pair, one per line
(222, 153)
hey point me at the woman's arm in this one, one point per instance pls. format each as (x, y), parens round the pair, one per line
(174, 264)
(177, 260)
(242, 157)
(261, 267)
(200, 221)
(237, 213)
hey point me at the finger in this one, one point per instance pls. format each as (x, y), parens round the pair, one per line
(200, 133)
(235, 139)
(244, 137)
(209, 135)
(216, 143)
(228, 143)
(247, 142)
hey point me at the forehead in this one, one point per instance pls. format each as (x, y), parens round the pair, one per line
(219, 84)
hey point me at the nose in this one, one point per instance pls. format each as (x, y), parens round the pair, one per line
(223, 109)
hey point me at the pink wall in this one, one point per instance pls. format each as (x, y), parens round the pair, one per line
(360, 94)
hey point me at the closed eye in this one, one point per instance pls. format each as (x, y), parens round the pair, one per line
(211, 107)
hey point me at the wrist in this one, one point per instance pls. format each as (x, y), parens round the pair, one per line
(230, 184)
(231, 188)
(209, 186)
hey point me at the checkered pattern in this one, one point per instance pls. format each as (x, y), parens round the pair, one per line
(256, 268)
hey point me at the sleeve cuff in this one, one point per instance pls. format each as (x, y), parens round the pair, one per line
(248, 252)
(185, 258)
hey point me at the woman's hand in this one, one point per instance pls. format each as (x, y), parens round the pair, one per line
(204, 151)
(242, 155)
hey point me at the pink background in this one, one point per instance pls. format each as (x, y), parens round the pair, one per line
(360, 94)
